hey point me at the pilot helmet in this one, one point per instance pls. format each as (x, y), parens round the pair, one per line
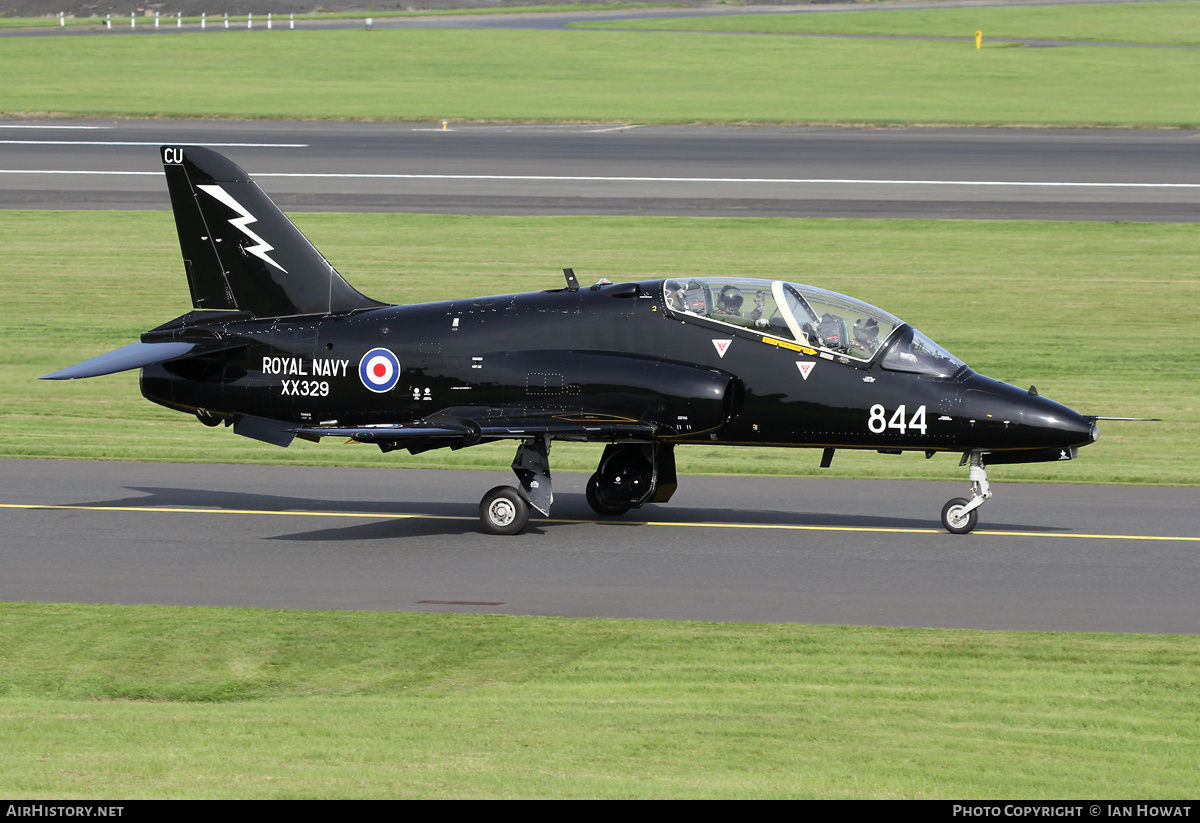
(866, 329)
(730, 299)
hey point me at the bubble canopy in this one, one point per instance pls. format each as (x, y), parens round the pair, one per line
(812, 317)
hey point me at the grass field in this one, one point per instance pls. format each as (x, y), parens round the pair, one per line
(1157, 23)
(1098, 316)
(122, 702)
(578, 75)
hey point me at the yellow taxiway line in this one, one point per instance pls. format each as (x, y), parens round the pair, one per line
(659, 523)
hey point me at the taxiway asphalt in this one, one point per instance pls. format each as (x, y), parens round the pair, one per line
(743, 549)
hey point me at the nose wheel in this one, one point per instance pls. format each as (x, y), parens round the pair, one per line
(957, 518)
(960, 515)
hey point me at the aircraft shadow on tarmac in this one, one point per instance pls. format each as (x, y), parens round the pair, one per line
(429, 518)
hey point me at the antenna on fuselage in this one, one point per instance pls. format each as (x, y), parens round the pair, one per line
(572, 281)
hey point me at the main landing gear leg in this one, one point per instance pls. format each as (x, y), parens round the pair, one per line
(505, 510)
(960, 515)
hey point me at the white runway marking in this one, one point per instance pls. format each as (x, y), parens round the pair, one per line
(68, 171)
(609, 128)
(619, 179)
(81, 128)
(777, 180)
(148, 143)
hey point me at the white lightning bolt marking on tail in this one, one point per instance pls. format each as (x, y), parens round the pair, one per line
(242, 224)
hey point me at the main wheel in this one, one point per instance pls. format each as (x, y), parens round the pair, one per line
(955, 520)
(503, 511)
(597, 501)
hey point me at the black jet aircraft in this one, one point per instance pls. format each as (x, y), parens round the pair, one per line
(280, 346)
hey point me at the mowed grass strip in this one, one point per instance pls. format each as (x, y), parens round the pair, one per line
(129, 701)
(1155, 23)
(1098, 316)
(592, 76)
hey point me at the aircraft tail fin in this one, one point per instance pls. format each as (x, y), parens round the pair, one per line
(240, 251)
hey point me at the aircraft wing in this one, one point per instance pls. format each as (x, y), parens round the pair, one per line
(457, 431)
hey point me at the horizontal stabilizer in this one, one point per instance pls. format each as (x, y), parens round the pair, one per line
(133, 356)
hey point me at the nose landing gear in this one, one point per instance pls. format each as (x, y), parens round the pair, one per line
(960, 516)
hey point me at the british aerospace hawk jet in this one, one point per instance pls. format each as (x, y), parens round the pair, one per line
(280, 346)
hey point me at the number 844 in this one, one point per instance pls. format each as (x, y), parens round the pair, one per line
(879, 422)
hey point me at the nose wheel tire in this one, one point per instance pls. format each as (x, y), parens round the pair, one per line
(503, 511)
(954, 520)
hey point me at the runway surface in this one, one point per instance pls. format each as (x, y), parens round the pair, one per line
(621, 169)
(1047, 558)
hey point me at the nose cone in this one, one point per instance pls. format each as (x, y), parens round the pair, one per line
(1001, 416)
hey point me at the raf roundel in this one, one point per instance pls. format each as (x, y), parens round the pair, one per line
(379, 370)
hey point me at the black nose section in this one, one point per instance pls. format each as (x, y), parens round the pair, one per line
(1003, 416)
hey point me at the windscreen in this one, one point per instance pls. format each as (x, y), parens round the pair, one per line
(838, 323)
(916, 353)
